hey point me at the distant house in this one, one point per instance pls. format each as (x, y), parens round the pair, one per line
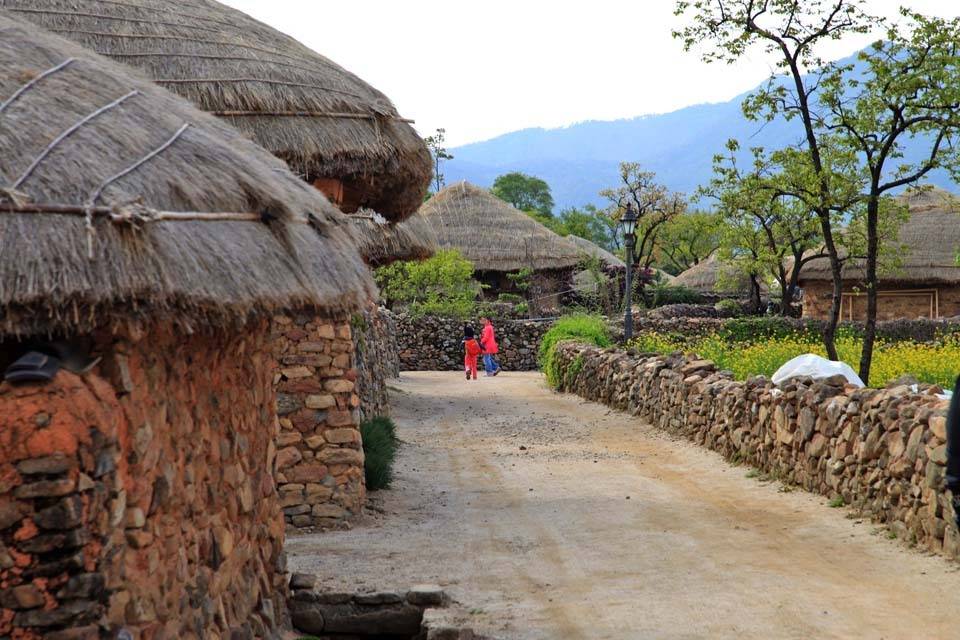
(713, 279)
(500, 240)
(925, 284)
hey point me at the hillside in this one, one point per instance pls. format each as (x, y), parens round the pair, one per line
(579, 160)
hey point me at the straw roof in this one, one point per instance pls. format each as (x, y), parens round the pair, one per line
(705, 276)
(594, 250)
(72, 123)
(930, 239)
(493, 235)
(323, 120)
(382, 242)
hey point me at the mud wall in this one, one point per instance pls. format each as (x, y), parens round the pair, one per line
(140, 495)
(319, 456)
(431, 343)
(882, 451)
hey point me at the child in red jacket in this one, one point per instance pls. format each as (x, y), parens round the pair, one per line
(471, 351)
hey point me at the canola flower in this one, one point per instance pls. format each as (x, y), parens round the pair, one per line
(935, 363)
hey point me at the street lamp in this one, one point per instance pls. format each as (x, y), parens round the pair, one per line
(629, 224)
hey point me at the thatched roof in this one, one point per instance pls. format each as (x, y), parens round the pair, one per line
(927, 244)
(594, 250)
(493, 235)
(320, 118)
(62, 141)
(705, 276)
(382, 242)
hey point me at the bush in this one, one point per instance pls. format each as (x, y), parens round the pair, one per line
(683, 311)
(582, 328)
(728, 308)
(442, 285)
(379, 436)
(660, 295)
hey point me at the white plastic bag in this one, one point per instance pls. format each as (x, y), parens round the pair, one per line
(816, 367)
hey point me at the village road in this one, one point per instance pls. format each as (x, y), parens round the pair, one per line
(547, 517)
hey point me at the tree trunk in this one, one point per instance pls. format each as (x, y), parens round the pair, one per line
(754, 295)
(830, 332)
(870, 330)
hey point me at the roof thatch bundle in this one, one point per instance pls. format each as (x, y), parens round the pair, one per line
(382, 242)
(493, 235)
(713, 276)
(926, 246)
(320, 118)
(119, 199)
(593, 250)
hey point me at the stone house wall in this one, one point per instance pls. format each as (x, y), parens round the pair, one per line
(894, 301)
(882, 450)
(140, 495)
(431, 343)
(319, 455)
(377, 359)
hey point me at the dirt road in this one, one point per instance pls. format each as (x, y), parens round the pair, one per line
(549, 517)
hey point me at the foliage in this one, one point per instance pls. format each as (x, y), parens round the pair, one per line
(661, 293)
(760, 354)
(580, 327)
(586, 222)
(379, 437)
(686, 240)
(525, 192)
(729, 308)
(442, 285)
(439, 153)
(521, 279)
(653, 203)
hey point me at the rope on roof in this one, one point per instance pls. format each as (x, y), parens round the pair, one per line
(285, 83)
(60, 138)
(134, 212)
(313, 114)
(100, 16)
(95, 195)
(16, 94)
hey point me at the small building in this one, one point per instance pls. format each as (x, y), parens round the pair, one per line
(147, 249)
(500, 240)
(924, 284)
(332, 128)
(714, 280)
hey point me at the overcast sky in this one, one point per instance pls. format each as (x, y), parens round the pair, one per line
(480, 69)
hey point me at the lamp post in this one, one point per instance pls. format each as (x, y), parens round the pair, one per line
(629, 224)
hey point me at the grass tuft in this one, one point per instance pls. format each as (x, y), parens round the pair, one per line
(379, 436)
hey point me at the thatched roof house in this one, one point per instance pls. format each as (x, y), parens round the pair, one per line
(712, 277)
(326, 123)
(594, 250)
(59, 275)
(925, 283)
(382, 243)
(492, 234)
(158, 245)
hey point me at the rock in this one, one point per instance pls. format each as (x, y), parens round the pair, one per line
(301, 581)
(427, 595)
(49, 465)
(342, 436)
(86, 586)
(287, 404)
(25, 596)
(45, 489)
(380, 597)
(324, 401)
(65, 514)
(287, 457)
(11, 513)
(292, 373)
(338, 386)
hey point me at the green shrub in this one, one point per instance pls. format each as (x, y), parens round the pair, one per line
(660, 294)
(379, 436)
(442, 285)
(582, 328)
(729, 308)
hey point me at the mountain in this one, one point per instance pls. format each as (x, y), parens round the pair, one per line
(579, 160)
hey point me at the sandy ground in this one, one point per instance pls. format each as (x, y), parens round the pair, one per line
(549, 517)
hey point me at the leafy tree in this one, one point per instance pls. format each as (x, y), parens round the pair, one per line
(654, 204)
(586, 222)
(442, 285)
(525, 192)
(855, 118)
(440, 154)
(686, 240)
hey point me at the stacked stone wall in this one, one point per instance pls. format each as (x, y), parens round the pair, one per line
(432, 343)
(140, 495)
(882, 451)
(319, 457)
(377, 359)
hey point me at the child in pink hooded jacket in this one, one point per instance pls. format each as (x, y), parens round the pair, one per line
(488, 341)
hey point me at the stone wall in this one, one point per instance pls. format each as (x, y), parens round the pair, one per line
(893, 301)
(377, 359)
(882, 451)
(140, 495)
(319, 457)
(434, 344)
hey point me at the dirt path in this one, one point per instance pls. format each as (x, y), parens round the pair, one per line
(549, 517)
